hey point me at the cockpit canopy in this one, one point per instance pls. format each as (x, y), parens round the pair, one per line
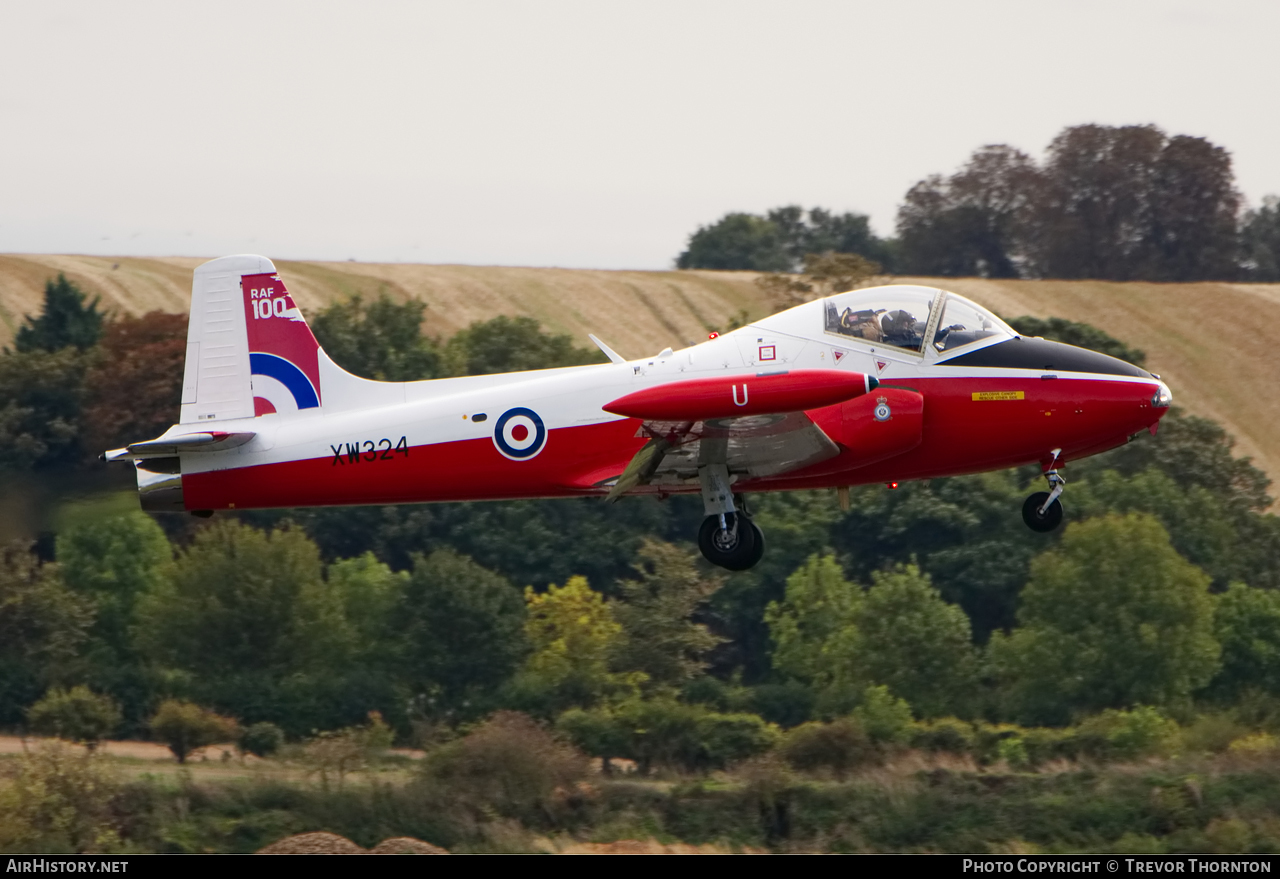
(901, 317)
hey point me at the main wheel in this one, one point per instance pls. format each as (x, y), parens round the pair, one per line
(758, 552)
(734, 548)
(1042, 522)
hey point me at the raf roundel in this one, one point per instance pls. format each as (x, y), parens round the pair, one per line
(519, 434)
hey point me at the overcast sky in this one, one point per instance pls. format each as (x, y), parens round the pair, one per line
(586, 134)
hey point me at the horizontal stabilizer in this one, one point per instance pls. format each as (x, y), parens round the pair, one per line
(735, 396)
(208, 441)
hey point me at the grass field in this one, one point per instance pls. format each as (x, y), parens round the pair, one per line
(1213, 342)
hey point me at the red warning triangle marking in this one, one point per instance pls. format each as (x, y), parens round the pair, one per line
(837, 354)
(880, 365)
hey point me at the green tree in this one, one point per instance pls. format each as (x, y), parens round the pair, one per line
(1081, 335)
(573, 635)
(781, 240)
(185, 727)
(78, 715)
(65, 321)
(512, 344)
(373, 604)
(967, 224)
(1195, 451)
(819, 231)
(380, 340)
(1112, 618)
(964, 532)
(815, 626)
(916, 644)
(1131, 202)
(797, 525)
(248, 620)
(1260, 241)
(737, 241)
(1246, 622)
(374, 674)
(42, 625)
(463, 631)
(112, 561)
(40, 407)
(656, 610)
(1203, 529)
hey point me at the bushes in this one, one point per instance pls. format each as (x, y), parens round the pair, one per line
(509, 764)
(946, 734)
(261, 739)
(886, 718)
(347, 750)
(837, 746)
(1108, 737)
(184, 727)
(663, 732)
(58, 802)
(78, 715)
(1128, 735)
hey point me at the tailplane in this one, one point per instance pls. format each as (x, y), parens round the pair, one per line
(249, 350)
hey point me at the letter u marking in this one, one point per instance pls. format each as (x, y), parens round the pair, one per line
(744, 395)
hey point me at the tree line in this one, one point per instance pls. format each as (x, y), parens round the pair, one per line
(925, 605)
(1120, 203)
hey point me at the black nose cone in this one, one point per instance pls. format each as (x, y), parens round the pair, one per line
(1045, 356)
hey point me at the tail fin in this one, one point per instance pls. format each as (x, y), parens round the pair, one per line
(249, 350)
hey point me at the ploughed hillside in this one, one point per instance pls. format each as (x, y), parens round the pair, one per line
(1214, 343)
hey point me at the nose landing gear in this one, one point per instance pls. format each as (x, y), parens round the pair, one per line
(728, 538)
(1043, 511)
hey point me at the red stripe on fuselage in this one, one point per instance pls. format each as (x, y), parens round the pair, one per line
(463, 470)
(961, 435)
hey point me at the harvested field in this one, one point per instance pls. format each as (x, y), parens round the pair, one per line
(638, 313)
(1208, 340)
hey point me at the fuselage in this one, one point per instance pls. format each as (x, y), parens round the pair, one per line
(995, 402)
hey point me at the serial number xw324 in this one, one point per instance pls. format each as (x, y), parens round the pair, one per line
(368, 450)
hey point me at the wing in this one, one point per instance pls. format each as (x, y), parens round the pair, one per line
(754, 424)
(751, 446)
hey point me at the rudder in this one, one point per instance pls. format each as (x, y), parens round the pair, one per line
(249, 350)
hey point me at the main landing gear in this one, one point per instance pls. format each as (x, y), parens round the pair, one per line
(1043, 511)
(728, 538)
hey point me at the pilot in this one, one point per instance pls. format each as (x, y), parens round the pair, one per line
(900, 329)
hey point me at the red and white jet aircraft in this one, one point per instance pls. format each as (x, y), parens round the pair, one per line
(885, 384)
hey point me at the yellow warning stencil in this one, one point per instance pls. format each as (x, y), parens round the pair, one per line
(998, 395)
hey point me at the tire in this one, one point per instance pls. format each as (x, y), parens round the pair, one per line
(758, 552)
(1045, 523)
(735, 554)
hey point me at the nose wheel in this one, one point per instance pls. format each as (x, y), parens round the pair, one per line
(1043, 510)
